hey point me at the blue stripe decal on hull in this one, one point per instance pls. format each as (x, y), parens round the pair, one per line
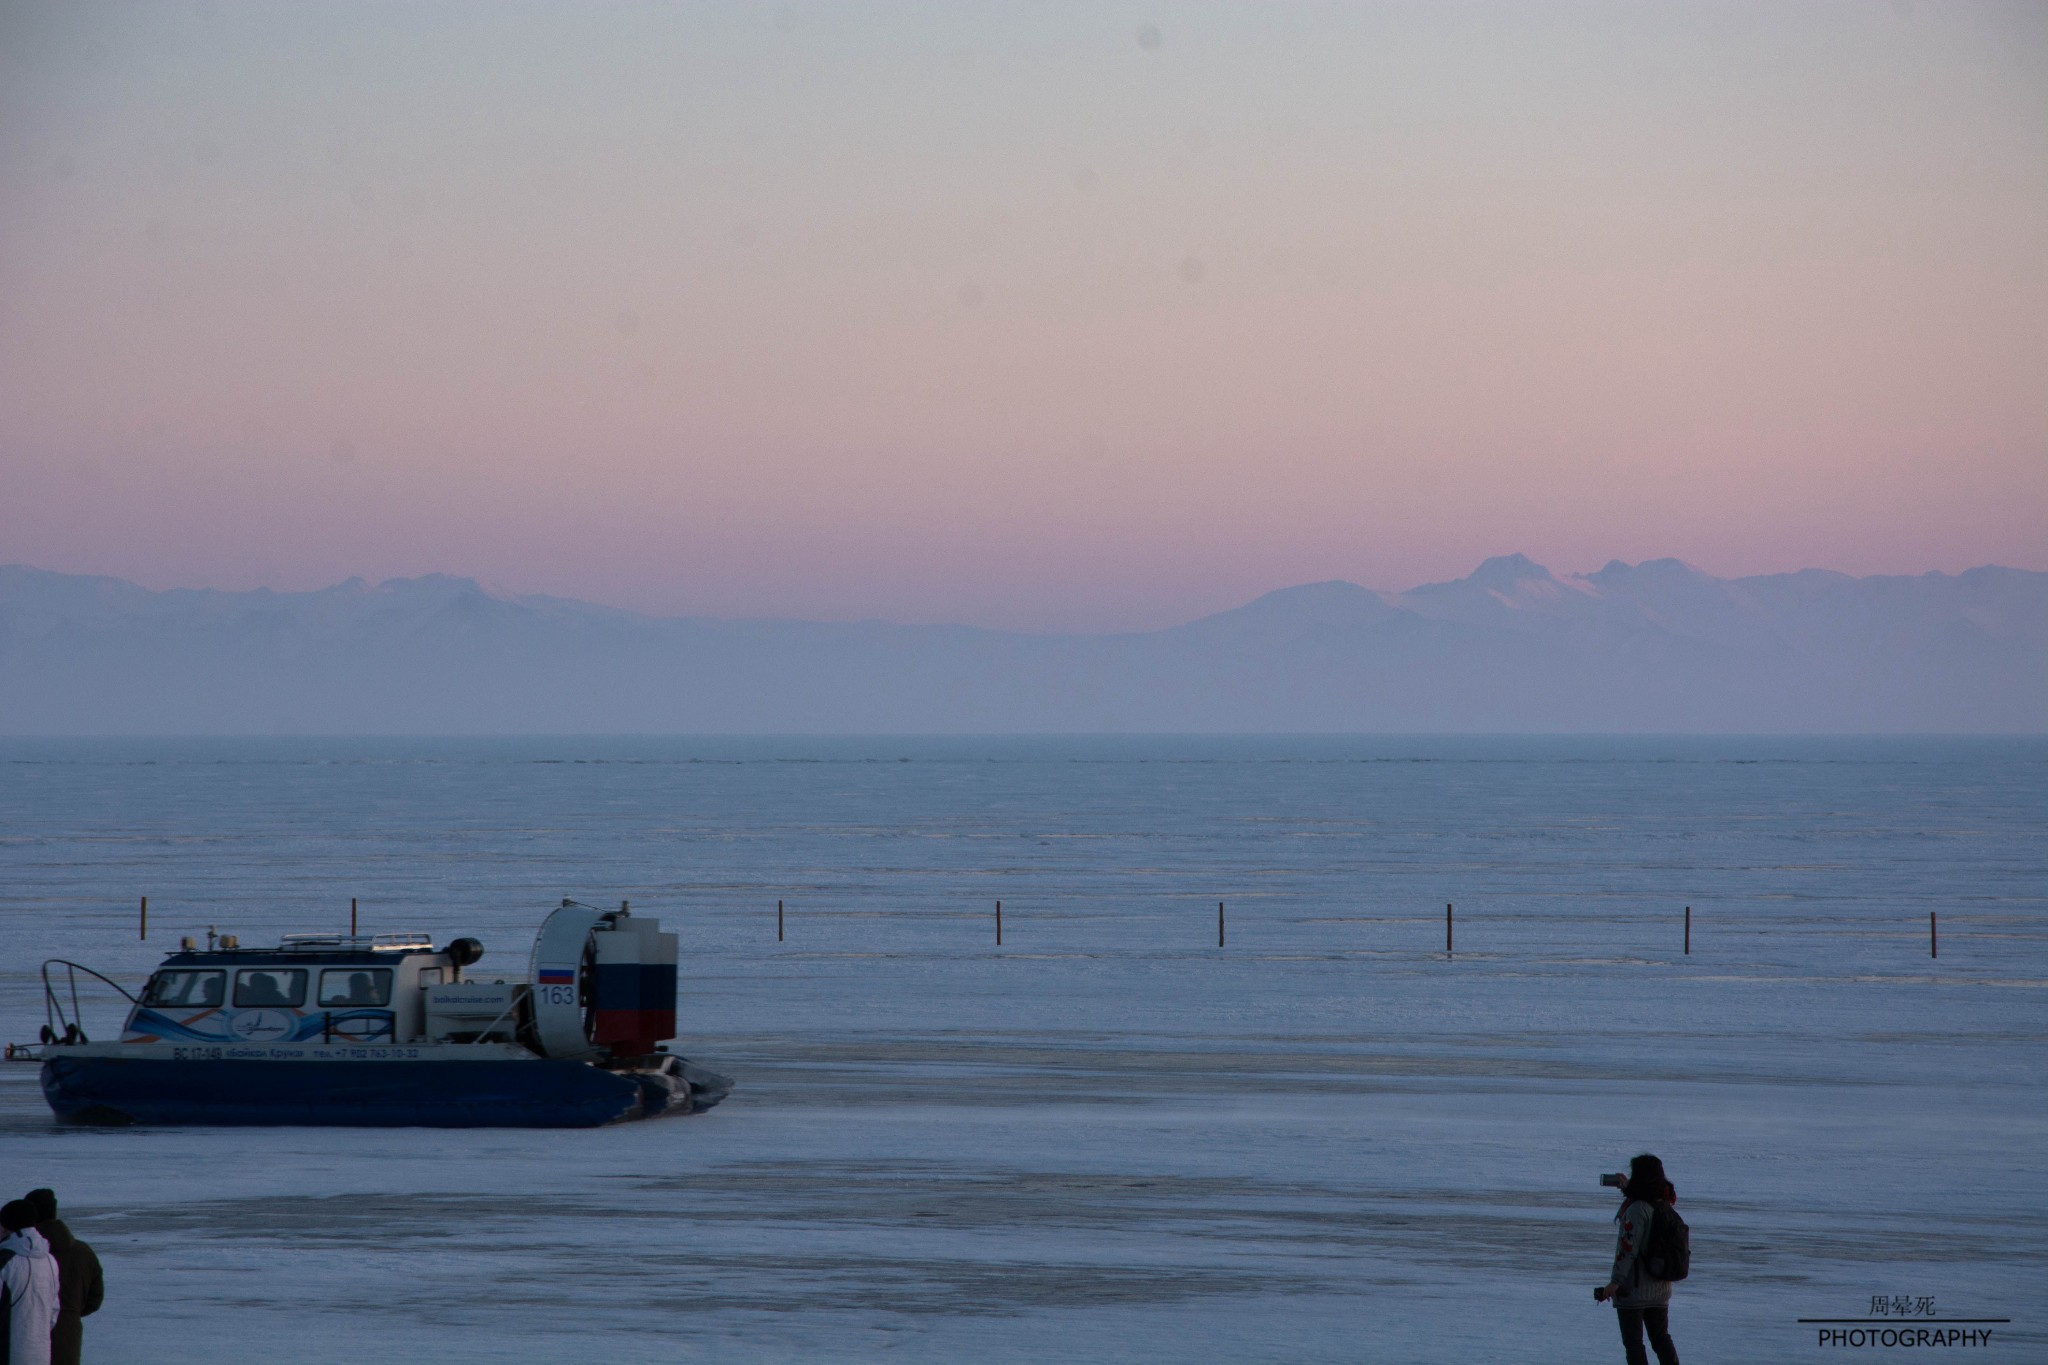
(356, 1025)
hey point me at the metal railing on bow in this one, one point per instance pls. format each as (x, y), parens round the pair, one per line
(68, 1025)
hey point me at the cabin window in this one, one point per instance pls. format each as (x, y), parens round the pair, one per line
(186, 990)
(345, 986)
(276, 987)
(430, 976)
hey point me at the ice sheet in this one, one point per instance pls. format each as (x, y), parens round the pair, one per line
(1107, 1140)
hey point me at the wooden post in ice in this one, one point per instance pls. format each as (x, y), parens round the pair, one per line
(1933, 937)
(1447, 928)
(145, 917)
(999, 924)
(1688, 931)
(1219, 924)
(778, 921)
(351, 916)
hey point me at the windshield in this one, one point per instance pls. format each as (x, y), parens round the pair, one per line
(185, 990)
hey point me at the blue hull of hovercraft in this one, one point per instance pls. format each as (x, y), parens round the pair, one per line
(366, 1094)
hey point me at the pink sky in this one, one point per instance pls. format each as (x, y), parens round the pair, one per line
(1012, 315)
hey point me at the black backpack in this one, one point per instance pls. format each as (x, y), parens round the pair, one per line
(1667, 1251)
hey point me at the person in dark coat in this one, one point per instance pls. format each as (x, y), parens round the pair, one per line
(80, 1289)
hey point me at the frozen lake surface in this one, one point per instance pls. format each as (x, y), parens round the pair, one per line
(1108, 1139)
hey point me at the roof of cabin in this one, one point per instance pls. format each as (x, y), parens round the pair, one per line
(298, 956)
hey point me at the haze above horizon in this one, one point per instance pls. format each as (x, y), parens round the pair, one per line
(1060, 318)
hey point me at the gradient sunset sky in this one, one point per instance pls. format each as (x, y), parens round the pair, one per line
(1053, 316)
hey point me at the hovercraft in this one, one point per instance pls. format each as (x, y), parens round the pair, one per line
(384, 1030)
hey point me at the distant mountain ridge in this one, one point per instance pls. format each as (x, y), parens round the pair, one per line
(1651, 647)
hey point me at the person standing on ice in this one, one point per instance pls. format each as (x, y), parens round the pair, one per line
(80, 1287)
(28, 1288)
(1640, 1299)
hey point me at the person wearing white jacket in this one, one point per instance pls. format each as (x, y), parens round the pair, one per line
(1641, 1300)
(28, 1288)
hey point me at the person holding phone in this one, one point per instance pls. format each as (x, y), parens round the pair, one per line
(1640, 1299)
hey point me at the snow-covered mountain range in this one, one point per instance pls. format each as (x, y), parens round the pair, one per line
(1651, 647)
